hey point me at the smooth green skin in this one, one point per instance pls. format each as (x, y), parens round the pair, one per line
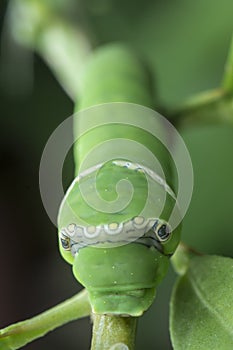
(106, 181)
(120, 280)
(115, 74)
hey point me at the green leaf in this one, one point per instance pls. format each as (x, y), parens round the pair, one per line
(201, 309)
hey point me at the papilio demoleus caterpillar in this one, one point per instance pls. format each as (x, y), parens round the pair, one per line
(119, 257)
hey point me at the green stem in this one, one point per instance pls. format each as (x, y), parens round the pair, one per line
(181, 259)
(21, 333)
(65, 49)
(113, 332)
(227, 82)
(63, 44)
(210, 107)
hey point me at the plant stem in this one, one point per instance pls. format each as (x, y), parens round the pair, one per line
(65, 49)
(62, 43)
(113, 332)
(21, 333)
(227, 82)
(181, 259)
(210, 107)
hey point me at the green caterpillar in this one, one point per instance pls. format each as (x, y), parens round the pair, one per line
(119, 255)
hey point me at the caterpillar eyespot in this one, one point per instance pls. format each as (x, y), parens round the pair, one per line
(162, 231)
(65, 242)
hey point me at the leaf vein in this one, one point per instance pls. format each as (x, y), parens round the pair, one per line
(204, 300)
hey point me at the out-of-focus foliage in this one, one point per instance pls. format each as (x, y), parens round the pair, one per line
(186, 44)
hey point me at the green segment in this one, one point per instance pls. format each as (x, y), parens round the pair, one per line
(110, 133)
(82, 206)
(120, 280)
(115, 74)
(103, 186)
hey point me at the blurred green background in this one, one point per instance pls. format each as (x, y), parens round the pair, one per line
(186, 44)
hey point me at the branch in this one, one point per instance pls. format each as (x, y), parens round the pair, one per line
(210, 107)
(21, 333)
(182, 257)
(62, 43)
(113, 332)
(227, 82)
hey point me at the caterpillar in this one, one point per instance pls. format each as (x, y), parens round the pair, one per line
(113, 222)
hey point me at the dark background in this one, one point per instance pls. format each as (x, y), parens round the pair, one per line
(186, 43)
